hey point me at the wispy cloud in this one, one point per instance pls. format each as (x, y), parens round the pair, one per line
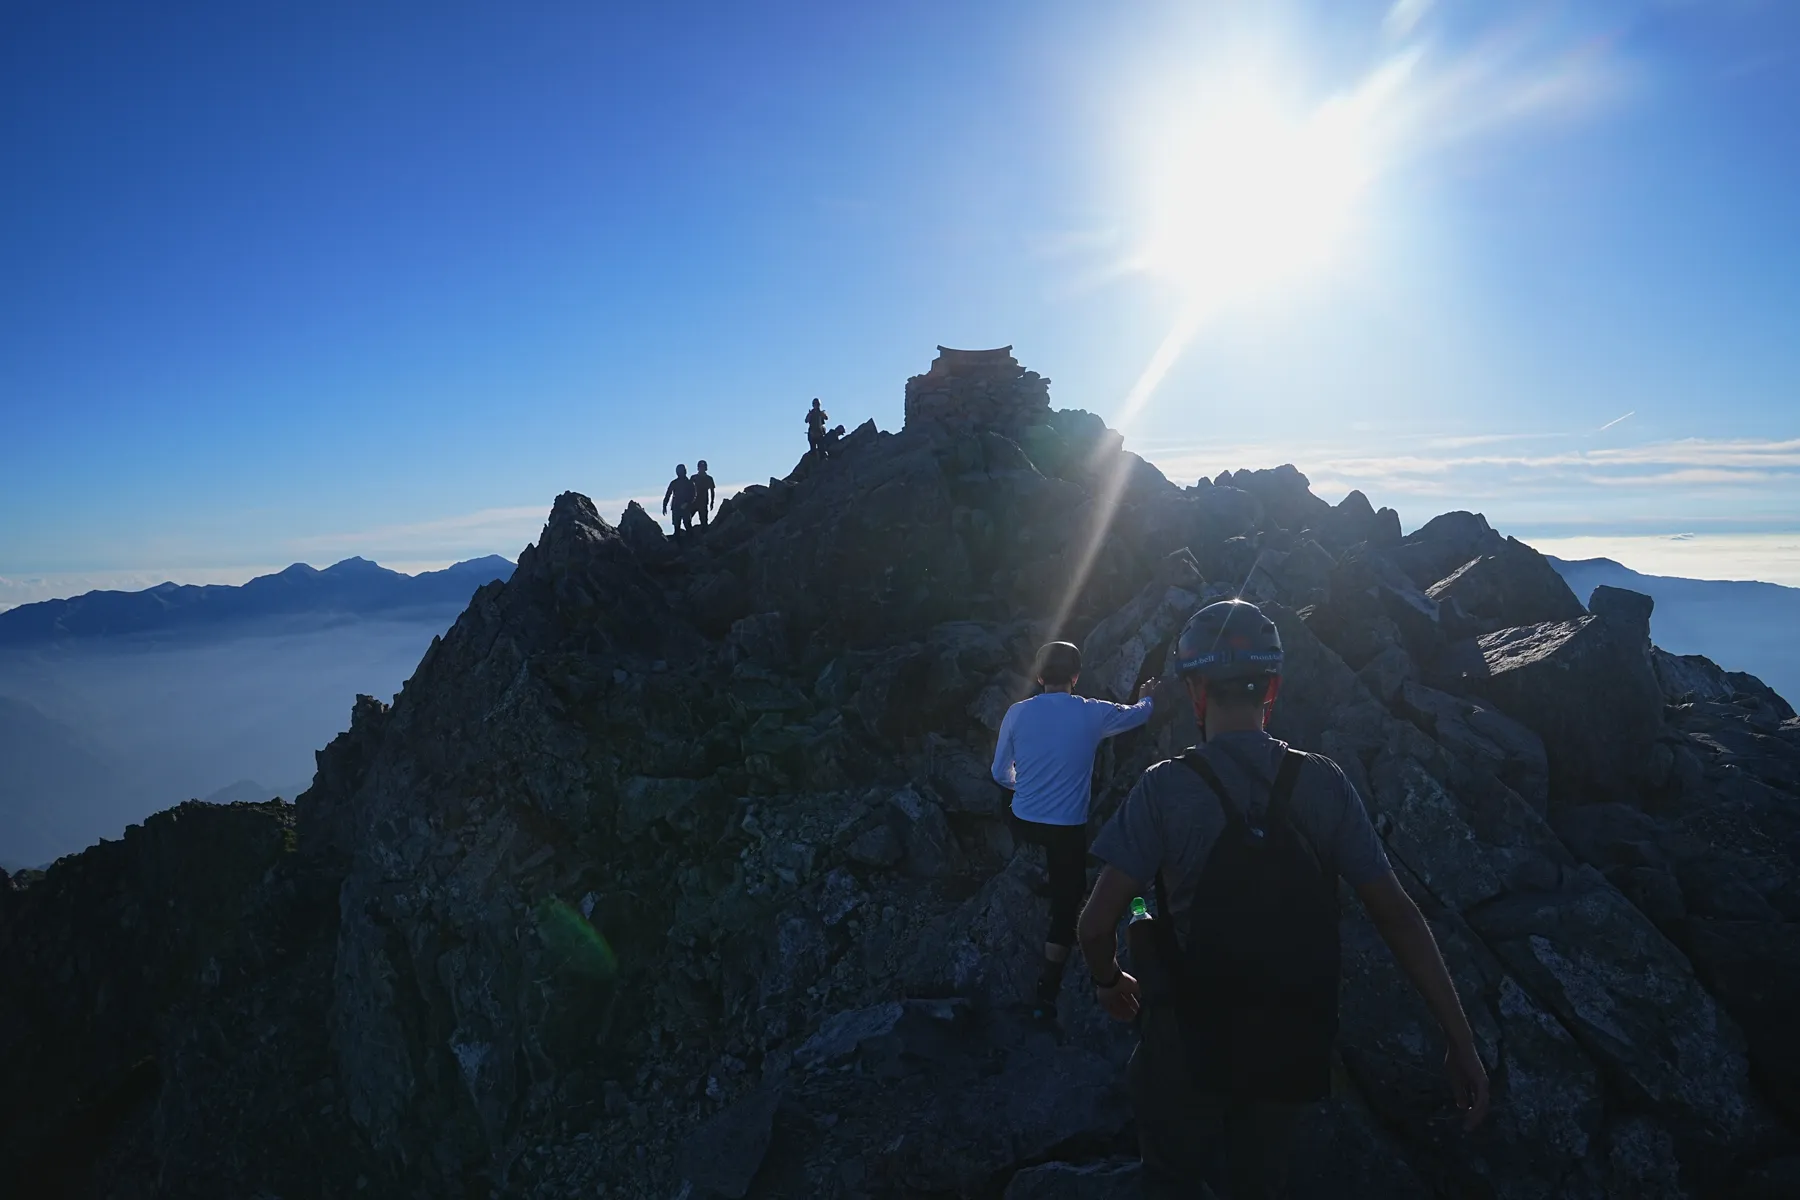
(1616, 420)
(484, 527)
(1539, 481)
(1770, 557)
(1404, 16)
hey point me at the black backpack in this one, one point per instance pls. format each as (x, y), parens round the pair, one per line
(1255, 990)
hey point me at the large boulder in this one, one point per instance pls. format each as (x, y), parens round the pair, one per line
(722, 1157)
(1443, 544)
(1105, 1180)
(1119, 650)
(1375, 605)
(1753, 968)
(1482, 736)
(1549, 1099)
(1587, 689)
(1514, 585)
(1633, 1004)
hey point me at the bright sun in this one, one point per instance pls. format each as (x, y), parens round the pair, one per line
(1246, 193)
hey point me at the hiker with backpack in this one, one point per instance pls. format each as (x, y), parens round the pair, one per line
(1045, 758)
(1244, 840)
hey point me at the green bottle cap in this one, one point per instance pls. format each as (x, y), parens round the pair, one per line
(1138, 908)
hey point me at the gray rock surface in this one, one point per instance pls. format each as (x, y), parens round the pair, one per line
(677, 866)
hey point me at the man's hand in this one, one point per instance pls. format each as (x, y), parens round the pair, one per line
(1149, 685)
(1468, 1083)
(1121, 1002)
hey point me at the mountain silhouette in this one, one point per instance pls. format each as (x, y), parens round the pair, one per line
(354, 587)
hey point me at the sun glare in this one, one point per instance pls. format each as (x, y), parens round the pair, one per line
(1246, 192)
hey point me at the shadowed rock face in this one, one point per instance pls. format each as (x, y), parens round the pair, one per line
(675, 869)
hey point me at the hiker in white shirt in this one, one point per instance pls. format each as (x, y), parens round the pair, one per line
(1045, 757)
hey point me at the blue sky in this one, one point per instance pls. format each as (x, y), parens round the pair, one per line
(298, 281)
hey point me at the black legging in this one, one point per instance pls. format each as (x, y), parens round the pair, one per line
(1065, 849)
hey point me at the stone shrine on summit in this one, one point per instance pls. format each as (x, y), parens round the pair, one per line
(966, 390)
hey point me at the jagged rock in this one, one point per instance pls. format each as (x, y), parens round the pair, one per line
(761, 640)
(1042, 1097)
(1515, 585)
(1374, 605)
(1623, 609)
(1109, 1180)
(1484, 737)
(1115, 653)
(606, 871)
(717, 600)
(1549, 1101)
(1285, 494)
(1753, 968)
(1686, 678)
(1587, 689)
(1443, 544)
(961, 779)
(722, 1157)
(878, 846)
(1612, 979)
(1305, 574)
(645, 537)
(1353, 519)
(893, 1039)
(1641, 1161)
(1388, 672)
(930, 848)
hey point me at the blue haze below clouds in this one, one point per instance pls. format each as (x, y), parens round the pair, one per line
(281, 275)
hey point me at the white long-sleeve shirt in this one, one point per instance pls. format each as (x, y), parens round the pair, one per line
(1046, 752)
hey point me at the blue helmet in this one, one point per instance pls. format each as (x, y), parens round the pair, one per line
(1228, 640)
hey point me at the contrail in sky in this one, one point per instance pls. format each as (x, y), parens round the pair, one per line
(1616, 420)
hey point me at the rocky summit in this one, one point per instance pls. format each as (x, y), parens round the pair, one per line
(675, 870)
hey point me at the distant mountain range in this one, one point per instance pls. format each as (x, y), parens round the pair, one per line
(117, 704)
(1742, 626)
(354, 587)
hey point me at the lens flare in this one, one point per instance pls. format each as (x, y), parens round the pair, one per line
(573, 942)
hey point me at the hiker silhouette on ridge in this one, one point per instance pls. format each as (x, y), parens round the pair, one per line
(681, 492)
(703, 494)
(815, 430)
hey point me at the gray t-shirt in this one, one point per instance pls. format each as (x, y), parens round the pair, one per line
(1171, 819)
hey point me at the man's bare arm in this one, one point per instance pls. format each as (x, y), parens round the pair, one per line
(1098, 934)
(1402, 926)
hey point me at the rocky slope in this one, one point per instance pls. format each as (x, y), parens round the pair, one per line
(675, 871)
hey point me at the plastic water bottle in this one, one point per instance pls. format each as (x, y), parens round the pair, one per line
(1140, 944)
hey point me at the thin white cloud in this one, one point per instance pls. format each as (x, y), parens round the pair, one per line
(1404, 16)
(475, 528)
(1770, 557)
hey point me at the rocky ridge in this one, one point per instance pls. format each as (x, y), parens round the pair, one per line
(675, 871)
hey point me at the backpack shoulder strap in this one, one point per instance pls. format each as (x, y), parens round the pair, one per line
(1286, 776)
(1199, 766)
